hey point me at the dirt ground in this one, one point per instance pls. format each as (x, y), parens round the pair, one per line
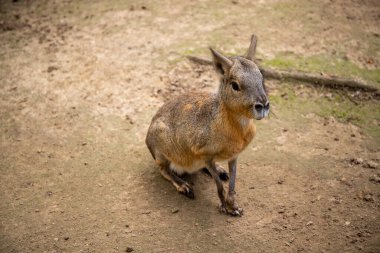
(81, 80)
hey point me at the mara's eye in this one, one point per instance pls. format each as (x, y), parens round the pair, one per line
(235, 86)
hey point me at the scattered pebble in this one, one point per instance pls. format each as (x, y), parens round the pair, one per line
(66, 238)
(345, 181)
(375, 178)
(368, 197)
(371, 165)
(309, 223)
(129, 249)
(175, 210)
(147, 212)
(51, 69)
(356, 161)
(280, 180)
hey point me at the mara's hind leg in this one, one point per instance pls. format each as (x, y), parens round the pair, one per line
(223, 175)
(181, 185)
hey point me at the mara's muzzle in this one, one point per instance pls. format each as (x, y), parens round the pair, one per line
(260, 110)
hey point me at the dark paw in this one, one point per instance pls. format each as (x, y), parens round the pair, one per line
(223, 176)
(187, 191)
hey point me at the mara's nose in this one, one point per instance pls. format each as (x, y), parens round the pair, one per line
(261, 110)
(259, 106)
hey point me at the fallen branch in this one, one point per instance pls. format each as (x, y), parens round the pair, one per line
(329, 81)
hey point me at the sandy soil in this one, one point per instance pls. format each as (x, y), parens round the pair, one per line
(81, 80)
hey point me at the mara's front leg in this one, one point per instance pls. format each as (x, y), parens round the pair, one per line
(224, 205)
(233, 207)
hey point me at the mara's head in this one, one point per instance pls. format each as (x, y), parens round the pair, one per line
(242, 84)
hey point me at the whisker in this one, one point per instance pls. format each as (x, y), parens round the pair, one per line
(271, 112)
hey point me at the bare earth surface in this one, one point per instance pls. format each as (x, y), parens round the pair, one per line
(81, 80)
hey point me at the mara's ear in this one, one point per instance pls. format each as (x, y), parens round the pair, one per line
(252, 48)
(221, 63)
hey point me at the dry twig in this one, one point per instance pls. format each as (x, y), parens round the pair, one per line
(328, 81)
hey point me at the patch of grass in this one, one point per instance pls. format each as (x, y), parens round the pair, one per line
(365, 114)
(325, 64)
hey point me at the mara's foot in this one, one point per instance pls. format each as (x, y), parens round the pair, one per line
(230, 211)
(186, 190)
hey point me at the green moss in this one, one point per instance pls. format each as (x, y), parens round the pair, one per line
(364, 114)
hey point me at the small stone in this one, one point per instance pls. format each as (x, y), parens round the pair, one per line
(347, 223)
(371, 165)
(356, 161)
(252, 187)
(375, 178)
(129, 249)
(56, 239)
(147, 212)
(309, 223)
(66, 238)
(175, 210)
(107, 233)
(336, 139)
(280, 180)
(51, 69)
(368, 197)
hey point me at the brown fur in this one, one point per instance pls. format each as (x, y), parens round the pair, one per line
(195, 130)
